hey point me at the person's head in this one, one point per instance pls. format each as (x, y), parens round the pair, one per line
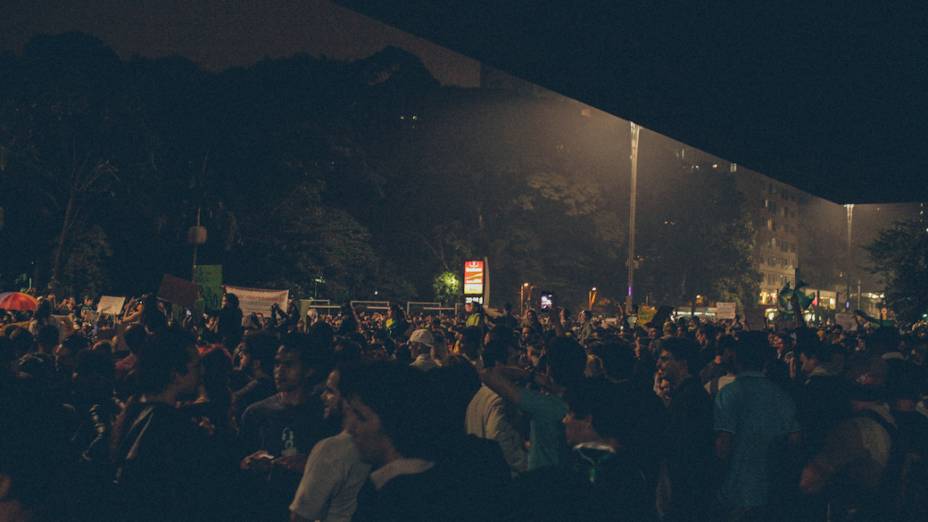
(498, 353)
(618, 359)
(229, 301)
(566, 361)
(93, 374)
(216, 371)
(332, 395)
(726, 351)
(135, 337)
(678, 359)
(421, 342)
(66, 352)
(395, 312)
(470, 342)
(866, 374)
(751, 352)
(883, 340)
(814, 355)
(47, 338)
(43, 310)
(598, 412)
(298, 366)
(586, 316)
(387, 411)
(168, 362)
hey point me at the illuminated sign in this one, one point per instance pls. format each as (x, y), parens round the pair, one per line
(474, 277)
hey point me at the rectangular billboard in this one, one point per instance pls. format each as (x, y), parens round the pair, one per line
(474, 277)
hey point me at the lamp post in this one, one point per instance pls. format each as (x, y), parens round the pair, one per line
(850, 252)
(632, 204)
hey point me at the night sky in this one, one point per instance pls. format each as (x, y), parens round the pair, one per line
(218, 34)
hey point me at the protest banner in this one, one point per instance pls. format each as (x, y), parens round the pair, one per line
(259, 300)
(208, 279)
(178, 291)
(111, 305)
(725, 311)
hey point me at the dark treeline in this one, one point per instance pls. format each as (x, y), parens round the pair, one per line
(368, 174)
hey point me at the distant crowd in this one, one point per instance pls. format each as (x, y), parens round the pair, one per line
(379, 416)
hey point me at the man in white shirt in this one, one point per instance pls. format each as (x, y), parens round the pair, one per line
(489, 417)
(334, 473)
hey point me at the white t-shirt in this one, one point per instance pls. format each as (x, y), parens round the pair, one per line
(332, 478)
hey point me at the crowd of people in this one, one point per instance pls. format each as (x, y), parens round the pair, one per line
(372, 416)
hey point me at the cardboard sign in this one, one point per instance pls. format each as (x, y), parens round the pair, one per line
(259, 300)
(646, 313)
(725, 311)
(178, 291)
(209, 284)
(110, 305)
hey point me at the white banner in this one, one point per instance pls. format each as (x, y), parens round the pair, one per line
(110, 305)
(259, 300)
(725, 311)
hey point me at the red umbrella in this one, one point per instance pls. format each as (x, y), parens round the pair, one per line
(17, 301)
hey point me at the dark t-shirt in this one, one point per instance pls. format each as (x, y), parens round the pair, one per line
(428, 496)
(164, 467)
(282, 429)
(594, 485)
(254, 391)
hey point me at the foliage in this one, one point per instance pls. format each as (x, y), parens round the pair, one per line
(900, 257)
(698, 240)
(447, 288)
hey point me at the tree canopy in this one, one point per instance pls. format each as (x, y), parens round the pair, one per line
(368, 175)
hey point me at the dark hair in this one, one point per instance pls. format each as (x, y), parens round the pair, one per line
(232, 300)
(96, 363)
(613, 412)
(262, 346)
(618, 358)
(495, 353)
(470, 341)
(752, 351)
(161, 355)
(683, 349)
(75, 343)
(135, 337)
(47, 336)
(217, 369)
(312, 357)
(400, 396)
(566, 360)
(347, 352)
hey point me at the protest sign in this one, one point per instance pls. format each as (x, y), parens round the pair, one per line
(110, 305)
(178, 291)
(725, 311)
(646, 313)
(846, 321)
(258, 300)
(209, 284)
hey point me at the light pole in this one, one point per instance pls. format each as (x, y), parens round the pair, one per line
(850, 251)
(633, 201)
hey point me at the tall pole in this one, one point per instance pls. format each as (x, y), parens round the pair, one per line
(632, 204)
(193, 271)
(850, 250)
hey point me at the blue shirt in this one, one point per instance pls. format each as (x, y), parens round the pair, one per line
(756, 412)
(546, 428)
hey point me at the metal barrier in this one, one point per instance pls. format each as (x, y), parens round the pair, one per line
(371, 305)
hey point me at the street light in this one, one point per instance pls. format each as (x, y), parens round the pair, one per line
(633, 201)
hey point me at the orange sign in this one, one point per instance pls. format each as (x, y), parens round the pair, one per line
(474, 277)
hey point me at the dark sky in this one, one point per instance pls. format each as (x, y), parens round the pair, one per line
(218, 34)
